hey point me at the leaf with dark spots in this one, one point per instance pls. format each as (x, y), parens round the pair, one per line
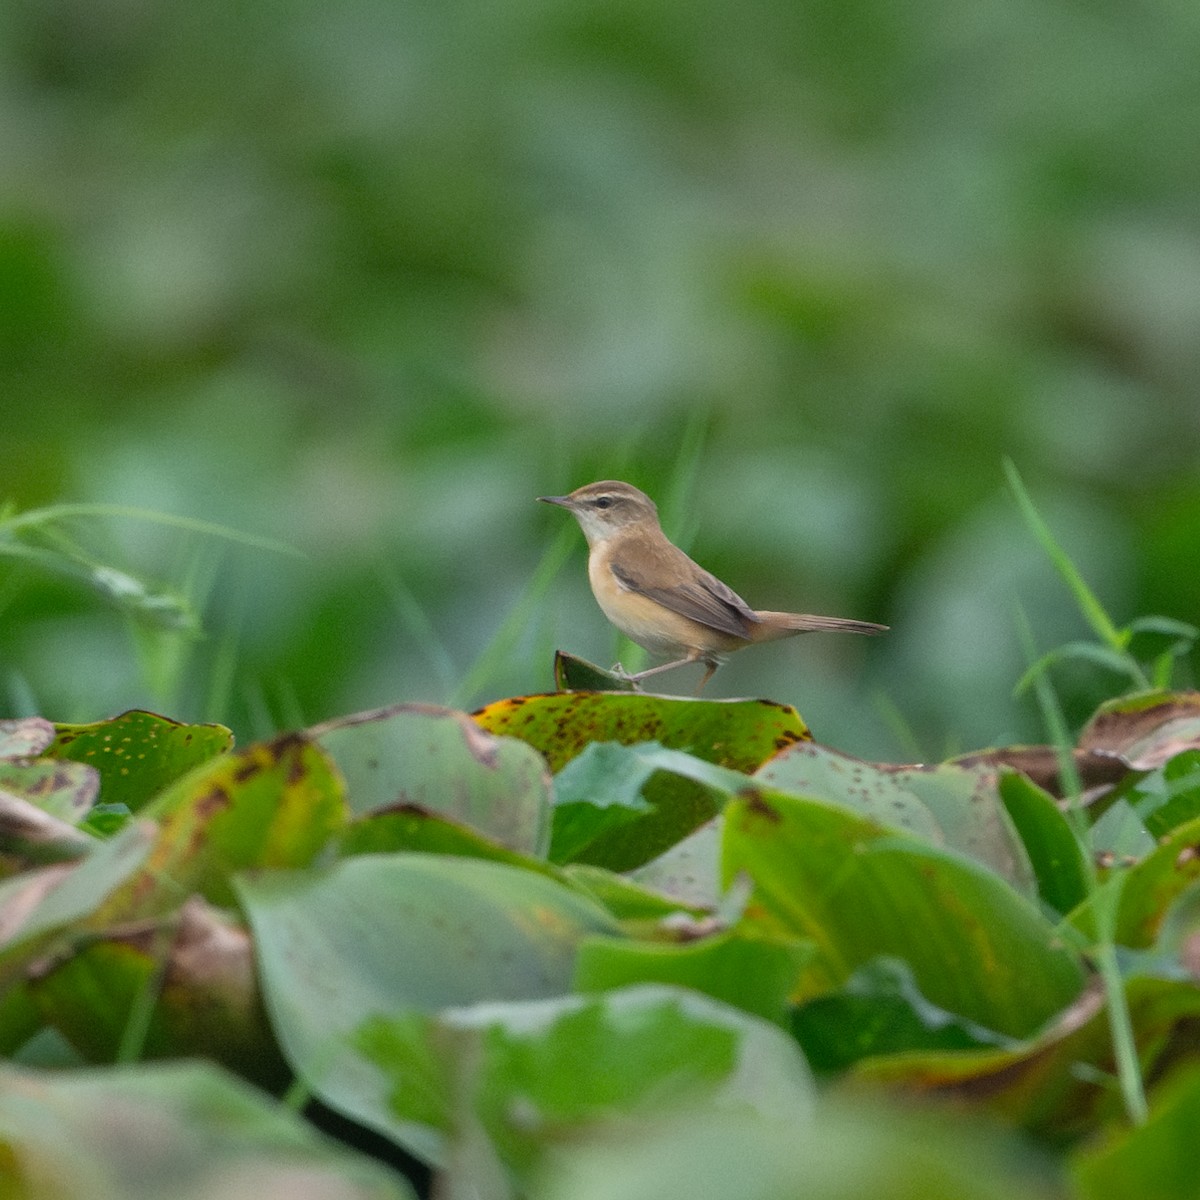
(440, 761)
(273, 804)
(65, 790)
(740, 734)
(946, 805)
(138, 753)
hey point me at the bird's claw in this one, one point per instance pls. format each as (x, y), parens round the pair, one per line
(619, 671)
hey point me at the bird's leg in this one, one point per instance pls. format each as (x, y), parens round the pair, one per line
(679, 662)
(710, 667)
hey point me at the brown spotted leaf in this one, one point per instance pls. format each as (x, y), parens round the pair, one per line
(740, 734)
(946, 805)
(273, 804)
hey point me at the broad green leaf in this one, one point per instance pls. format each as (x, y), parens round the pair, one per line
(416, 756)
(603, 812)
(624, 896)
(749, 971)
(864, 1152)
(1155, 1161)
(426, 833)
(527, 1078)
(179, 1130)
(739, 734)
(65, 790)
(181, 987)
(138, 753)
(976, 947)
(689, 871)
(399, 932)
(946, 805)
(879, 1010)
(572, 674)
(273, 804)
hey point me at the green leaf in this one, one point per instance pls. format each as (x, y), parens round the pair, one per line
(879, 1010)
(1167, 796)
(415, 756)
(1155, 1161)
(1146, 889)
(604, 789)
(739, 734)
(844, 1152)
(1059, 1084)
(425, 833)
(689, 871)
(573, 674)
(198, 1132)
(1054, 853)
(747, 970)
(273, 804)
(947, 805)
(525, 1079)
(976, 947)
(624, 896)
(186, 983)
(392, 933)
(138, 753)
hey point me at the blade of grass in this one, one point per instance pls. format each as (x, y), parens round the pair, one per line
(1091, 608)
(52, 513)
(1103, 900)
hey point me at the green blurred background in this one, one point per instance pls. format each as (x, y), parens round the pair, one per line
(368, 277)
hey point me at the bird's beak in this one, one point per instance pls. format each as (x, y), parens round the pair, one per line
(561, 501)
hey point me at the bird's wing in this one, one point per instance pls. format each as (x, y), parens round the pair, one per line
(683, 587)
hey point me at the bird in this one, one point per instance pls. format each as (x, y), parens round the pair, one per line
(662, 600)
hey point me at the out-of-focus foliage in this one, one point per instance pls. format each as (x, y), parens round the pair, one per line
(367, 278)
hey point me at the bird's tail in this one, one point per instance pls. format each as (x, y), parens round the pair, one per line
(773, 625)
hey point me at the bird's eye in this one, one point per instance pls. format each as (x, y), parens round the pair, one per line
(603, 502)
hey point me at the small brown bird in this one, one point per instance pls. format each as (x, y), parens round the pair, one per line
(653, 593)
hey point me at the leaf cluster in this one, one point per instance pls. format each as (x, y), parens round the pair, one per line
(504, 939)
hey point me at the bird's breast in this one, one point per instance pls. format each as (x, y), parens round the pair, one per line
(646, 621)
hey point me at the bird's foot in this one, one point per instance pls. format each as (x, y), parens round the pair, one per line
(621, 673)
